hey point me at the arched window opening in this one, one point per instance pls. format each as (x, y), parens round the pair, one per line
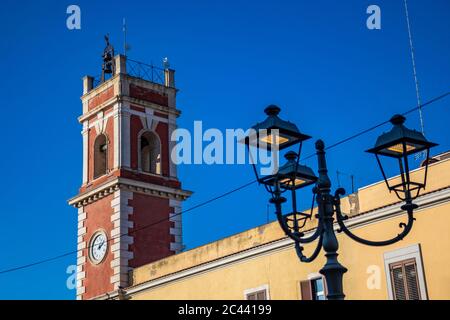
(150, 153)
(100, 156)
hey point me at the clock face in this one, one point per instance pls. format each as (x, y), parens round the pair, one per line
(99, 244)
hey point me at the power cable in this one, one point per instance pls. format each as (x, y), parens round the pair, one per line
(29, 265)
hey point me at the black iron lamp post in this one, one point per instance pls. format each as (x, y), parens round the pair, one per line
(276, 134)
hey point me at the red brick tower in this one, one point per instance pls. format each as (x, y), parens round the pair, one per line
(129, 180)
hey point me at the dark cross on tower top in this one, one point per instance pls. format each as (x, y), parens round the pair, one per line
(108, 66)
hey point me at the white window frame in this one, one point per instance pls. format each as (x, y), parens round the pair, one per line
(316, 276)
(264, 287)
(410, 252)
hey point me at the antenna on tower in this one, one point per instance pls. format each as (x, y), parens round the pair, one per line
(416, 80)
(126, 47)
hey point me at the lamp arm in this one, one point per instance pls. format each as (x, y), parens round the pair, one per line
(409, 207)
(294, 236)
(303, 258)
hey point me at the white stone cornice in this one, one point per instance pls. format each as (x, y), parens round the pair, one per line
(100, 88)
(129, 100)
(154, 106)
(141, 114)
(154, 189)
(93, 112)
(131, 185)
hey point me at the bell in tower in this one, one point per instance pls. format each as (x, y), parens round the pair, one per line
(108, 59)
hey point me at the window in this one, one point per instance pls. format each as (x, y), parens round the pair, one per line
(100, 156)
(260, 293)
(404, 274)
(318, 289)
(313, 289)
(405, 283)
(150, 153)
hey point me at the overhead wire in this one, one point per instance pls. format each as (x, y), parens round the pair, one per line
(60, 256)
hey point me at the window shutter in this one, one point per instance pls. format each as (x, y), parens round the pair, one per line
(398, 283)
(306, 290)
(258, 295)
(412, 283)
(405, 283)
(261, 295)
(251, 296)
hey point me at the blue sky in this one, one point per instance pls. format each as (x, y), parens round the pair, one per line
(316, 59)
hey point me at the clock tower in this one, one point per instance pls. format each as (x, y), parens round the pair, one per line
(130, 192)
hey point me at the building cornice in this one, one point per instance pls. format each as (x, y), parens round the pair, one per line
(122, 98)
(120, 183)
(100, 88)
(157, 107)
(117, 98)
(425, 201)
(93, 112)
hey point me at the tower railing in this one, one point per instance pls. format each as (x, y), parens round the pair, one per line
(145, 71)
(140, 70)
(96, 81)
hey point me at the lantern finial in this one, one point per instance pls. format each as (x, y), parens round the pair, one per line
(291, 155)
(398, 119)
(272, 110)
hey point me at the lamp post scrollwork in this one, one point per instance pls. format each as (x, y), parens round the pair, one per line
(399, 144)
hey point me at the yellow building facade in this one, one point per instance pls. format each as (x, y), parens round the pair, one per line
(261, 263)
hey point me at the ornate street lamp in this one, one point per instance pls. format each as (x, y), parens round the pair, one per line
(399, 143)
(286, 135)
(273, 134)
(292, 175)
